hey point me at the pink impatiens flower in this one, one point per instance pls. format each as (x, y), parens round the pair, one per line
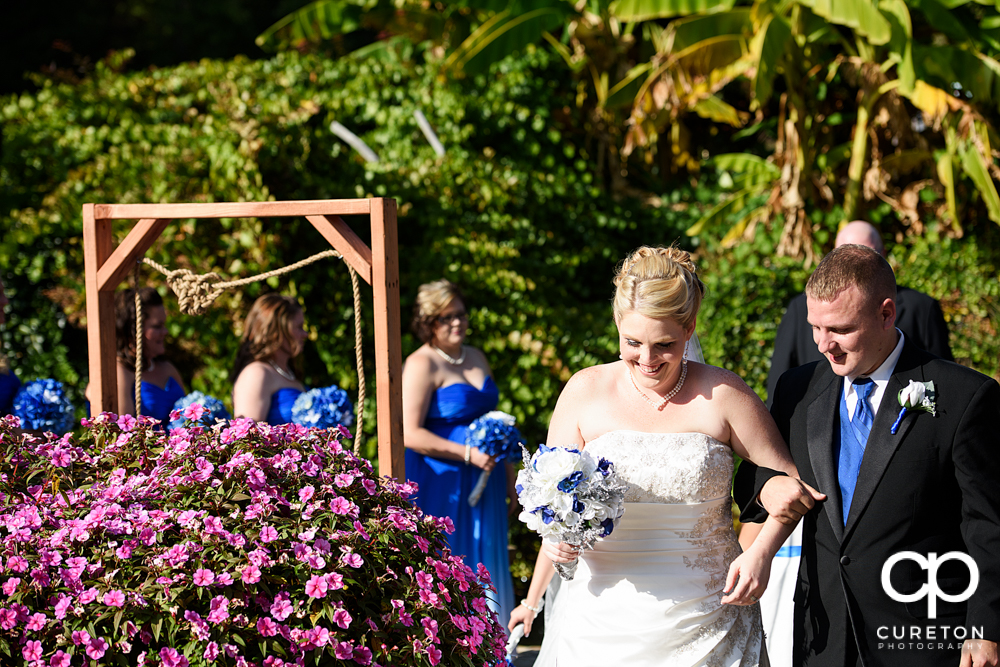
(281, 608)
(97, 647)
(203, 577)
(250, 574)
(268, 534)
(266, 627)
(32, 651)
(60, 659)
(10, 585)
(114, 599)
(316, 587)
(342, 618)
(194, 412)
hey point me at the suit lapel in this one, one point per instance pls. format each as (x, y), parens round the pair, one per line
(821, 419)
(882, 444)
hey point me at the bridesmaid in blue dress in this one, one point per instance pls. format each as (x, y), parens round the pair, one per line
(161, 381)
(9, 384)
(264, 385)
(446, 385)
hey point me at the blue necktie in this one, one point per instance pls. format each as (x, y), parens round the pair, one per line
(854, 432)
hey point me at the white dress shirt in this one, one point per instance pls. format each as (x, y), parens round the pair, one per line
(880, 377)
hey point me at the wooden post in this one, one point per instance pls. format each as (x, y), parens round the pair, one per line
(388, 350)
(101, 347)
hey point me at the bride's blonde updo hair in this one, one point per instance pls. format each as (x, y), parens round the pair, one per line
(661, 283)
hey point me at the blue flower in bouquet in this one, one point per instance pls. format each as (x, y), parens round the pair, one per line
(186, 410)
(496, 435)
(42, 405)
(325, 407)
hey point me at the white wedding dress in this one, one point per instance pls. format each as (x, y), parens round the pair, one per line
(649, 594)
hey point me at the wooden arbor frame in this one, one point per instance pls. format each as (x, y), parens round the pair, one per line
(106, 267)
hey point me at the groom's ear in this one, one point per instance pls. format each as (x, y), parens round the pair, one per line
(887, 314)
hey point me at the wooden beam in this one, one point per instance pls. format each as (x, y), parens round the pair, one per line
(388, 350)
(267, 209)
(122, 261)
(346, 242)
(97, 245)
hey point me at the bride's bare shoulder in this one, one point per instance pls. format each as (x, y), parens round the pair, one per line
(591, 379)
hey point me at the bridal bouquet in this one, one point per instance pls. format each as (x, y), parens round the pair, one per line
(570, 496)
(42, 405)
(493, 434)
(324, 407)
(199, 409)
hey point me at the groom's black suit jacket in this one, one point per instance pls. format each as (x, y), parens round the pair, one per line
(934, 486)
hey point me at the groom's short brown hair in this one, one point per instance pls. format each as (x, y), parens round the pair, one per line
(855, 265)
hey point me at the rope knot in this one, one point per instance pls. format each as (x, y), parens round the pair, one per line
(195, 293)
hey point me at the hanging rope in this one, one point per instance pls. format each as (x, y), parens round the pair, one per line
(138, 342)
(195, 293)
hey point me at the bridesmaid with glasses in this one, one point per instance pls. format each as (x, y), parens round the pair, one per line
(446, 385)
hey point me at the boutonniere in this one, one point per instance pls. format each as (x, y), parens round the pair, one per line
(915, 396)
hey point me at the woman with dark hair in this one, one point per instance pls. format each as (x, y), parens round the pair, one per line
(161, 382)
(446, 385)
(265, 386)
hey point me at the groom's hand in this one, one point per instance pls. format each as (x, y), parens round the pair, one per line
(979, 653)
(788, 499)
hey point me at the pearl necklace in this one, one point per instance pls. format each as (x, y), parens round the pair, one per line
(288, 375)
(670, 394)
(450, 359)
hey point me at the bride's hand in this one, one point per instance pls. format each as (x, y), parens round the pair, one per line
(747, 578)
(561, 552)
(522, 614)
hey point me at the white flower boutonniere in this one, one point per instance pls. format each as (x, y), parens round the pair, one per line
(915, 396)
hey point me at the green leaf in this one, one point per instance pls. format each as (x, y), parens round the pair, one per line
(503, 34)
(718, 213)
(748, 170)
(644, 10)
(861, 15)
(716, 110)
(624, 91)
(974, 165)
(317, 21)
(156, 629)
(901, 43)
(767, 48)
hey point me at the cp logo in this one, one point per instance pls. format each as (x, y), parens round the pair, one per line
(931, 588)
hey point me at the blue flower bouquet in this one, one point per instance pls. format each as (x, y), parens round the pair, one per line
(570, 496)
(325, 407)
(198, 409)
(493, 434)
(42, 405)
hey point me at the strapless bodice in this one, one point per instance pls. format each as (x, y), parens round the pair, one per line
(282, 401)
(649, 595)
(671, 468)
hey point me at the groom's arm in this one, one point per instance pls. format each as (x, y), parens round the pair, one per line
(977, 466)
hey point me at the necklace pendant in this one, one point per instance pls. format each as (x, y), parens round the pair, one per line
(673, 392)
(288, 375)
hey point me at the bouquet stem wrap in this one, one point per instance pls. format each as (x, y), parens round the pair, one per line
(570, 496)
(496, 435)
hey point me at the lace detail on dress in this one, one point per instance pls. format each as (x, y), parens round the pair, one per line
(668, 467)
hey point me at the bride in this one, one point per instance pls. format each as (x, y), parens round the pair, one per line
(669, 586)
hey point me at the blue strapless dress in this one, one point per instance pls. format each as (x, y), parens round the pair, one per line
(9, 384)
(480, 532)
(157, 403)
(282, 401)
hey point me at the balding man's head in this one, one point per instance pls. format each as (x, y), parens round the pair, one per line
(863, 233)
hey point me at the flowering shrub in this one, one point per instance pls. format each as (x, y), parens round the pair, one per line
(243, 544)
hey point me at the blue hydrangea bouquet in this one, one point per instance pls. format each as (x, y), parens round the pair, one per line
(42, 405)
(494, 434)
(197, 409)
(570, 496)
(324, 407)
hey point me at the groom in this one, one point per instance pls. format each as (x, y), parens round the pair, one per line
(886, 576)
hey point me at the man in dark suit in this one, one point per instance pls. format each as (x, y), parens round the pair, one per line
(926, 491)
(917, 315)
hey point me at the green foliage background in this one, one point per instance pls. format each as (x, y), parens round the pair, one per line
(513, 212)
